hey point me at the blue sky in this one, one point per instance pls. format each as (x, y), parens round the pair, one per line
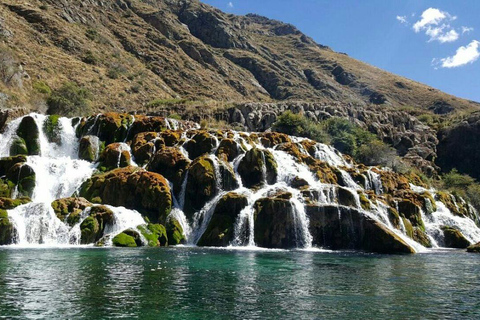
(433, 42)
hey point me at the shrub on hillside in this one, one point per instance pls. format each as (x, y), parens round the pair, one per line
(297, 125)
(69, 100)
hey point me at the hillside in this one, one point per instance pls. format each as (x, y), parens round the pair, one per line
(127, 53)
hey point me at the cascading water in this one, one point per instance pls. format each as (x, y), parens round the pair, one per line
(59, 173)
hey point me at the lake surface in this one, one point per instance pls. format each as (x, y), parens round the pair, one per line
(199, 283)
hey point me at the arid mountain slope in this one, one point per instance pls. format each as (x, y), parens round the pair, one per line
(129, 52)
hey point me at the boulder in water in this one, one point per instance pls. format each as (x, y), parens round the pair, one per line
(93, 226)
(475, 248)
(8, 203)
(454, 238)
(274, 222)
(52, 129)
(346, 228)
(23, 178)
(7, 230)
(125, 239)
(155, 234)
(256, 166)
(144, 145)
(219, 232)
(174, 232)
(110, 127)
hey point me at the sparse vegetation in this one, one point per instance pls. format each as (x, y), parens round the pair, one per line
(344, 135)
(42, 87)
(462, 185)
(164, 102)
(69, 100)
(90, 58)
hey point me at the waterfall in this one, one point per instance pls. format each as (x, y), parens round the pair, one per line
(59, 173)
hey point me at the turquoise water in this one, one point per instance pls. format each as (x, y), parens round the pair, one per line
(195, 283)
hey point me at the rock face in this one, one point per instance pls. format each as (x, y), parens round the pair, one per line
(94, 225)
(342, 228)
(27, 142)
(274, 224)
(459, 147)
(454, 238)
(257, 167)
(132, 188)
(219, 232)
(201, 185)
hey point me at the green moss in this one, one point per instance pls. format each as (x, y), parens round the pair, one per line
(42, 87)
(52, 129)
(174, 232)
(365, 203)
(18, 147)
(155, 234)
(7, 203)
(6, 228)
(124, 240)
(89, 229)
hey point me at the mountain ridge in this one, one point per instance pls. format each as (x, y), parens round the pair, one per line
(128, 53)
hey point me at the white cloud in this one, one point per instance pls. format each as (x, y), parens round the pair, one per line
(230, 4)
(441, 36)
(402, 19)
(464, 55)
(434, 23)
(431, 16)
(466, 29)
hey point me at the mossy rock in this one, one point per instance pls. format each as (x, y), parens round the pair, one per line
(171, 137)
(155, 234)
(174, 232)
(23, 178)
(200, 144)
(8, 203)
(474, 248)
(324, 172)
(274, 225)
(170, 163)
(7, 163)
(394, 217)
(133, 188)
(115, 155)
(7, 230)
(364, 202)
(124, 240)
(454, 238)
(89, 148)
(346, 197)
(93, 226)
(412, 212)
(109, 127)
(337, 228)
(52, 129)
(220, 229)
(144, 145)
(256, 166)
(421, 237)
(69, 209)
(228, 150)
(229, 181)
(18, 147)
(30, 133)
(201, 185)
(272, 139)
